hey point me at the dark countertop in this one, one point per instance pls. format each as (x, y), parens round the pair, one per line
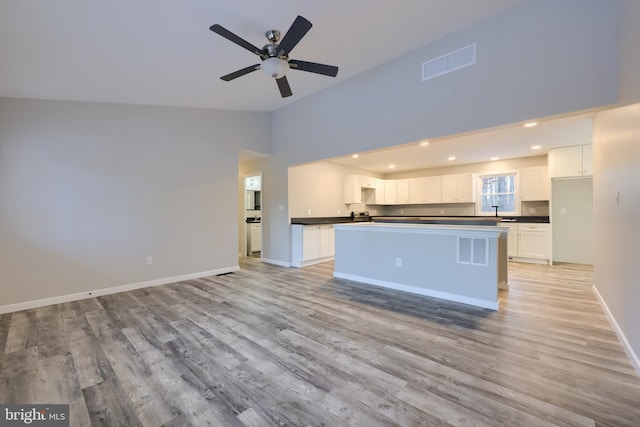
(327, 220)
(462, 220)
(456, 220)
(536, 219)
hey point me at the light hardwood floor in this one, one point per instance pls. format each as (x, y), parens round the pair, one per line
(278, 346)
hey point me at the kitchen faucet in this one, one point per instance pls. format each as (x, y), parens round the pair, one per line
(496, 208)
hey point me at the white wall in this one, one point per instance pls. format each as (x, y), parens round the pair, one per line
(628, 52)
(538, 59)
(319, 188)
(616, 191)
(89, 190)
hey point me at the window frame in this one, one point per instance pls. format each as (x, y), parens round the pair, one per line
(516, 189)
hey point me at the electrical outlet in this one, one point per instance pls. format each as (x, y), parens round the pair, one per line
(532, 210)
(280, 208)
(401, 211)
(149, 260)
(441, 211)
(338, 211)
(563, 210)
(398, 262)
(309, 212)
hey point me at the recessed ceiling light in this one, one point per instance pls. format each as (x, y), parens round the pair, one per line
(392, 166)
(451, 158)
(495, 158)
(530, 125)
(535, 147)
(355, 156)
(424, 143)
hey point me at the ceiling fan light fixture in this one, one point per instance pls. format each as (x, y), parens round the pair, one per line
(274, 67)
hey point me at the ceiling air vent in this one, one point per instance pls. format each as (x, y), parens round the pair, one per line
(449, 62)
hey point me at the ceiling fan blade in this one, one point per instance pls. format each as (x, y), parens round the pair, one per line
(240, 73)
(296, 32)
(283, 85)
(312, 67)
(219, 29)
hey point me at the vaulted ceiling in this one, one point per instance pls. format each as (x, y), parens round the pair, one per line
(161, 52)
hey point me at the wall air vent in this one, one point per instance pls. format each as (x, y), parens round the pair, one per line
(449, 62)
(473, 250)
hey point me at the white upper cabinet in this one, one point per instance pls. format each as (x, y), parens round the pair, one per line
(402, 191)
(570, 161)
(587, 160)
(390, 188)
(352, 189)
(417, 190)
(433, 189)
(457, 188)
(367, 182)
(534, 183)
(379, 194)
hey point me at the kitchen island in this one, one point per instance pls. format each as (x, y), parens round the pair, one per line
(461, 263)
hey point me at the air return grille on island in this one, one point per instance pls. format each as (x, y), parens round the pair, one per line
(473, 250)
(449, 62)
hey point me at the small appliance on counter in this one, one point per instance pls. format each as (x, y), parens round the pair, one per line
(360, 216)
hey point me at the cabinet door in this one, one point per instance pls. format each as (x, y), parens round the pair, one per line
(587, 162)
(390, 192)
(566, 161)
(310, 242)
(379, 195)
(402, 191)
(417, 190)
(352, 189)
(256, 237)
(326, 241)
(512, 240)
(464, 187)
(449, 188)
(457, 188)
(432, 189)
(534, 183)
(534, 241)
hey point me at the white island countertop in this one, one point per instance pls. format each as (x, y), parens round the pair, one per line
(462, 263)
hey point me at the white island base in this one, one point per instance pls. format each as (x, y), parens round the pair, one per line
(466, 264)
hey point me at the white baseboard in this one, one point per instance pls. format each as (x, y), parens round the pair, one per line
(112, 290)
(313, 262)
(492, 305)
(276, 262)
(633, 357)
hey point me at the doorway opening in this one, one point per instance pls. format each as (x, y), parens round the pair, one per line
(253, 215)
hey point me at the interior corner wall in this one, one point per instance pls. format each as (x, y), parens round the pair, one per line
(89, 190)
(319, 188)
(616, 174)
(628, 52)
(538, 59)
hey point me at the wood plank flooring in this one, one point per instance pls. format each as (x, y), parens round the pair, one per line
(274, 346)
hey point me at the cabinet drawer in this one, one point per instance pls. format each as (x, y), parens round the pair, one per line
(534, 227)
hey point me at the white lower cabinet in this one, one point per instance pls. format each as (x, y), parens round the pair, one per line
(529, 242)
(255, 237)
(512, 239)
(312, 244)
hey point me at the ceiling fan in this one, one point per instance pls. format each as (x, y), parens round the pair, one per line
(275, 55)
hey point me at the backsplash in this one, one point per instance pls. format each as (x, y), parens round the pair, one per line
(452, 209)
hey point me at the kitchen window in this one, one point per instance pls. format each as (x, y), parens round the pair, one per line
(498, 190)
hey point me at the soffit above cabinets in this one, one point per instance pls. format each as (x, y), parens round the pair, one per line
(504, 143)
